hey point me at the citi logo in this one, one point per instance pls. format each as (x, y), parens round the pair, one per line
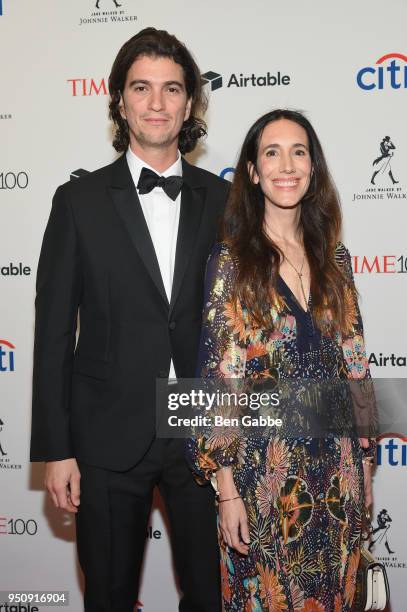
(6, 356)
(215, 80)
(87, 87)
(388, 72)
(394, 451)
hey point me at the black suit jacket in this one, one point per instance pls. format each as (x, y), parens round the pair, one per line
(96, 402)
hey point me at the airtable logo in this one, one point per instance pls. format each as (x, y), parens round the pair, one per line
(6, 356)
(383, 361)
(215, 80)
(388, 72)
(15, 270)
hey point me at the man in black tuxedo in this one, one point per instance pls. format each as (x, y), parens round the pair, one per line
(126, 248)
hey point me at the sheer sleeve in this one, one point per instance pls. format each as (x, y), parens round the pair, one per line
(355, 358)
(222, 358)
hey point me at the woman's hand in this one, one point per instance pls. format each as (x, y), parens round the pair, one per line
(364, 442)
(367, 475)
(233, 525)
(232, 514)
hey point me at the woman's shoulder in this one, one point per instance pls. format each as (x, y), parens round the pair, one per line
(221, 251)
(343, 260)
(219, 248)
(342, 255)
(220, 259)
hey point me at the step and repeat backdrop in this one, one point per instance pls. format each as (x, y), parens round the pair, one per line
(344, 64)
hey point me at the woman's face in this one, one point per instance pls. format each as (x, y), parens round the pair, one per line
(283, 163)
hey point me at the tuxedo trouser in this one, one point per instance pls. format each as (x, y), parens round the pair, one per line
(112, 524)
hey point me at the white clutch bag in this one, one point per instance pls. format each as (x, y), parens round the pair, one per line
(372, 585)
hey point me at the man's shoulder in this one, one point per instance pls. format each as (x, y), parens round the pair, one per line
(199, 176)
(81, 181)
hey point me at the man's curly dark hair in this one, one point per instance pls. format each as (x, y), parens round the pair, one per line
(157, 43)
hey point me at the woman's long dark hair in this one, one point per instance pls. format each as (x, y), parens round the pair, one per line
(320, 224)
(157, 43)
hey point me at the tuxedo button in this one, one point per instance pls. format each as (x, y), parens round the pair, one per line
(172, 325)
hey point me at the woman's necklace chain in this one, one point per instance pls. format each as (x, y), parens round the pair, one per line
(300, 275)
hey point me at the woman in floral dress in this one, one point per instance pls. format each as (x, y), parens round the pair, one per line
(281, 305)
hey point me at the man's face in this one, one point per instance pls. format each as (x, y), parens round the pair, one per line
(154, 102)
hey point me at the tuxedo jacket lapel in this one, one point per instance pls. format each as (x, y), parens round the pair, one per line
(192, 205)
(127, 203)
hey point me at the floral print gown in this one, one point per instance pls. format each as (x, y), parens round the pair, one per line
(304, 497)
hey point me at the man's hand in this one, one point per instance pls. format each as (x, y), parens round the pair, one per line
(62, 483)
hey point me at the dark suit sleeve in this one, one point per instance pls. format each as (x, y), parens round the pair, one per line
(58, 296)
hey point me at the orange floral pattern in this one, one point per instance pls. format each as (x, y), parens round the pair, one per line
(338, 602)
(278, 462)
(350, 577)
(271, 591)
(234, 319)
(313, 605)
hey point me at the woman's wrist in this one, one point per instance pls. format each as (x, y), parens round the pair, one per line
(368, 459)
(221, 500)
(224, 475)
(225, 483)
(369, 452)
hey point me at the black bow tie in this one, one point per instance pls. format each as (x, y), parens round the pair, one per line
(149, 179)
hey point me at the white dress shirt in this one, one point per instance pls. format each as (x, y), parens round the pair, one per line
(162, 218)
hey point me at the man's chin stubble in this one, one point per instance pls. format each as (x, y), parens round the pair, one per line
(159, 143)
